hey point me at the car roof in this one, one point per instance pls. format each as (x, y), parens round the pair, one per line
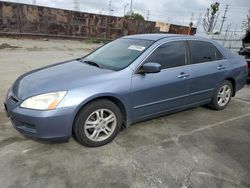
(159, 36)
(155, 36)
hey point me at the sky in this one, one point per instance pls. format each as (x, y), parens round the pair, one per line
(170, 11)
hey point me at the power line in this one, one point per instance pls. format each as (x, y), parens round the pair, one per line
(224, 17)
(235, 7)
(162, 13)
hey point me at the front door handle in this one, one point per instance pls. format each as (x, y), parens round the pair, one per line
(183, 75)
(221, 67)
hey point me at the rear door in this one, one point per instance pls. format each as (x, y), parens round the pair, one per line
(208, 68)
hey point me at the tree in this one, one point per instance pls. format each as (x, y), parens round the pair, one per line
(246, 23)
(135, 16)
(211, 17)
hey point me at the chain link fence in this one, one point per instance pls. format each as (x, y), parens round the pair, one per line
(229, 40)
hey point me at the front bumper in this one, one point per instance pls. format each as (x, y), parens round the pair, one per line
(45, 125)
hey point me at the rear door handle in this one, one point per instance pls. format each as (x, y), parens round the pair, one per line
(183, 75)
(221, 67)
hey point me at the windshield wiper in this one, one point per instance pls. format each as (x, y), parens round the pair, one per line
(92, 63)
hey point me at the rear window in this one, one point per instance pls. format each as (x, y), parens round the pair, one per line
(204, 52)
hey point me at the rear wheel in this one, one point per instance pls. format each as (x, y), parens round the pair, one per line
(222, 95)
(98, 123)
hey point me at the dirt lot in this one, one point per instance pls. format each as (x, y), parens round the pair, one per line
(195, 148)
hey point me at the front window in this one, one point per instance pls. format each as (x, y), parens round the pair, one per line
(118, 54)
(169, 55)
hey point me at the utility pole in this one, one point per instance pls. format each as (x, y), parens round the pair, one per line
(125, 7)
(192, 17)
(246, 23)
(148, 13)
(131, 7)
(225, 38)
(191, 24)
(110, 9)
(100, 12)
(198, 23)
(34, 2)
(76, 5)
(224, 18)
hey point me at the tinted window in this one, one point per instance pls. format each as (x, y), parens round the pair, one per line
(219, 56)
(172, 54)
(204, 52)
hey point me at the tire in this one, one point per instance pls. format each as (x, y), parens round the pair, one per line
(220, 103)
(98, 123)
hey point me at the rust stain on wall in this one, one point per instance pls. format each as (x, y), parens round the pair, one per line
(181, 29)
(29, 19)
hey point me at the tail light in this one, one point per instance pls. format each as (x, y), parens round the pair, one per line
(247, 66)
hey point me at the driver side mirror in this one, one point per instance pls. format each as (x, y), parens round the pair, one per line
(150, 67)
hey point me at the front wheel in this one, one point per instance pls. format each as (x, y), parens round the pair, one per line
(222, 96)
(98, 123)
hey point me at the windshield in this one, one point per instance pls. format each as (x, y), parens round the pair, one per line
(118, 54)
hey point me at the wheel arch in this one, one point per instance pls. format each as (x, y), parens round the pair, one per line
(111, 98)
(232, 80)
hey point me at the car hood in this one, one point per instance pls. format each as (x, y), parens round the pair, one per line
(58, 77)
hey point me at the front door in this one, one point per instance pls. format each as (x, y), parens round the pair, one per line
(154, 93)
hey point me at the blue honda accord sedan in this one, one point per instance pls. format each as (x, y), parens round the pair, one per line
(125, 81)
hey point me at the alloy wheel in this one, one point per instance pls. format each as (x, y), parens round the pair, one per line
(224, 95)
(100, 125)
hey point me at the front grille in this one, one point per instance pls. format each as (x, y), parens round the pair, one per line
(24, 126)
(13, 99)
(28, 127)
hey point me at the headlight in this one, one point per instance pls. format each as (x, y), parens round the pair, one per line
(47, 101)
